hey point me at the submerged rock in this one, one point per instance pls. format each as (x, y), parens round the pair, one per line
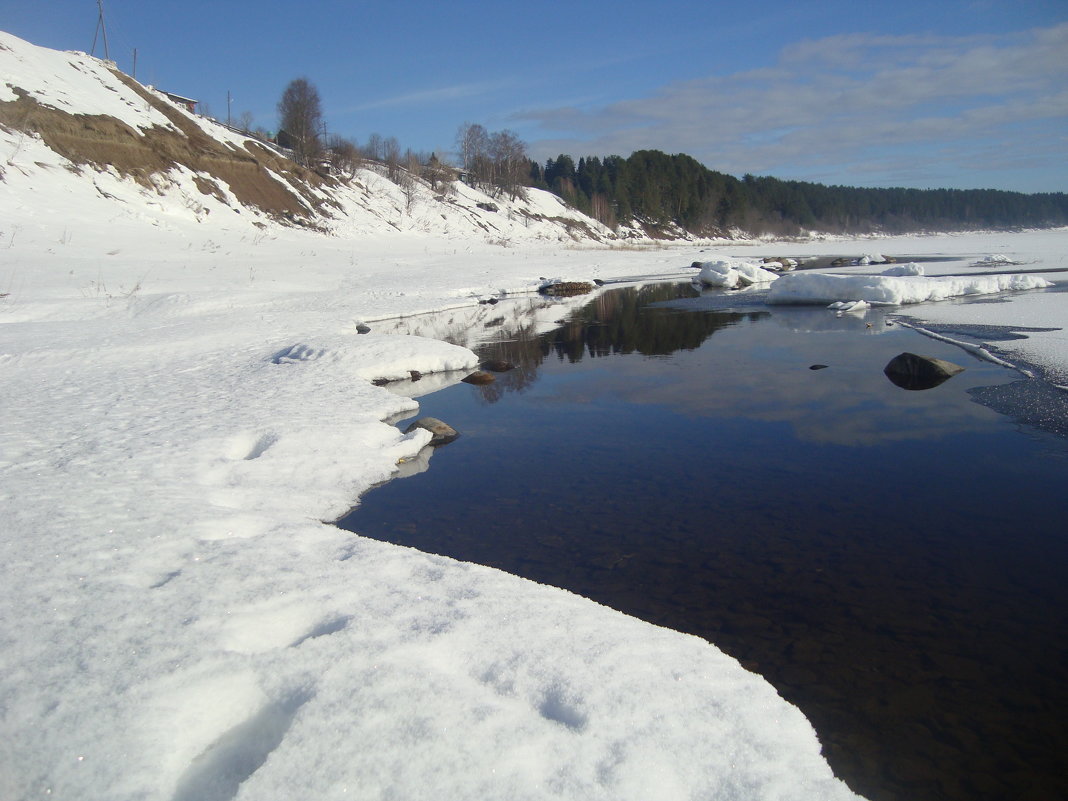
(909, 371)
(817, 367)
(479, 377)
(442, 433)
(497, 365)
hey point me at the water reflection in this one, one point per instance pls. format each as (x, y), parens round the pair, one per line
(621, 322)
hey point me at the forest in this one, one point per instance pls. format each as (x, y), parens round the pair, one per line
(660, 191)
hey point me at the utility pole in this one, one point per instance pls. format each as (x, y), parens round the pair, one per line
(229, 100)
(135, 64)
(101, 28)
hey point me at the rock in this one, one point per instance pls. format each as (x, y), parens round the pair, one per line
(380, 382)
(363, 329)
(487, 206)
(442, 432)
(497, 365)
(817, 367)
(909, 371)
(415, 374)
(479, 377)
(565, 289)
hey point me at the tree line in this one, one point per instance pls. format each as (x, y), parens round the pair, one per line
(658, 190)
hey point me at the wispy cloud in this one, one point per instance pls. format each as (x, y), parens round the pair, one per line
(839, 102)
(442, 94)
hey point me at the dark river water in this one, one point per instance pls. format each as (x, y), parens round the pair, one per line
(894, 562)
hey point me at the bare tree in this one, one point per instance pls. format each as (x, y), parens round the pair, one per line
(496, 162)
(391, 154)
(344, 155)
(409, 186)
(300, 115)
(373, 149)
(510, 165)
(472, 142)
(245, 121)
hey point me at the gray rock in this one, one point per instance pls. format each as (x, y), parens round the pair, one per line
(363, 329)
(442, 432)
(909, 371)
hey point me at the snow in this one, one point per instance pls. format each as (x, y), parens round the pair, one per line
(805, 288)
(733, 273)
(904, 269)
(72, 82)
(858, 306)
(187, 407)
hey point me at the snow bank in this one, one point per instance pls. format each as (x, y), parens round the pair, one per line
(733, 273)
(817, 288)
(904, 269)
(382, 356)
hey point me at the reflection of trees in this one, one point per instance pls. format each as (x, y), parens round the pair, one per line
(616, 322)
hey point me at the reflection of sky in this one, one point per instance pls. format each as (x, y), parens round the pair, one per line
(760, 372)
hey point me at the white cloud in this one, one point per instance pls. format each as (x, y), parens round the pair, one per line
(838, 100)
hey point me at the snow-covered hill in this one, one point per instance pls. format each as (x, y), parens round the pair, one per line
(72, 125)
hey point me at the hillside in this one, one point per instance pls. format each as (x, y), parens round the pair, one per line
(74, 127)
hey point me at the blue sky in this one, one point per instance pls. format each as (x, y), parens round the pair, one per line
(956, 93)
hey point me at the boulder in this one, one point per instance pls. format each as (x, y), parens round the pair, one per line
(442, 432)
(909, 371)
(497, 365)
(363, 329)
